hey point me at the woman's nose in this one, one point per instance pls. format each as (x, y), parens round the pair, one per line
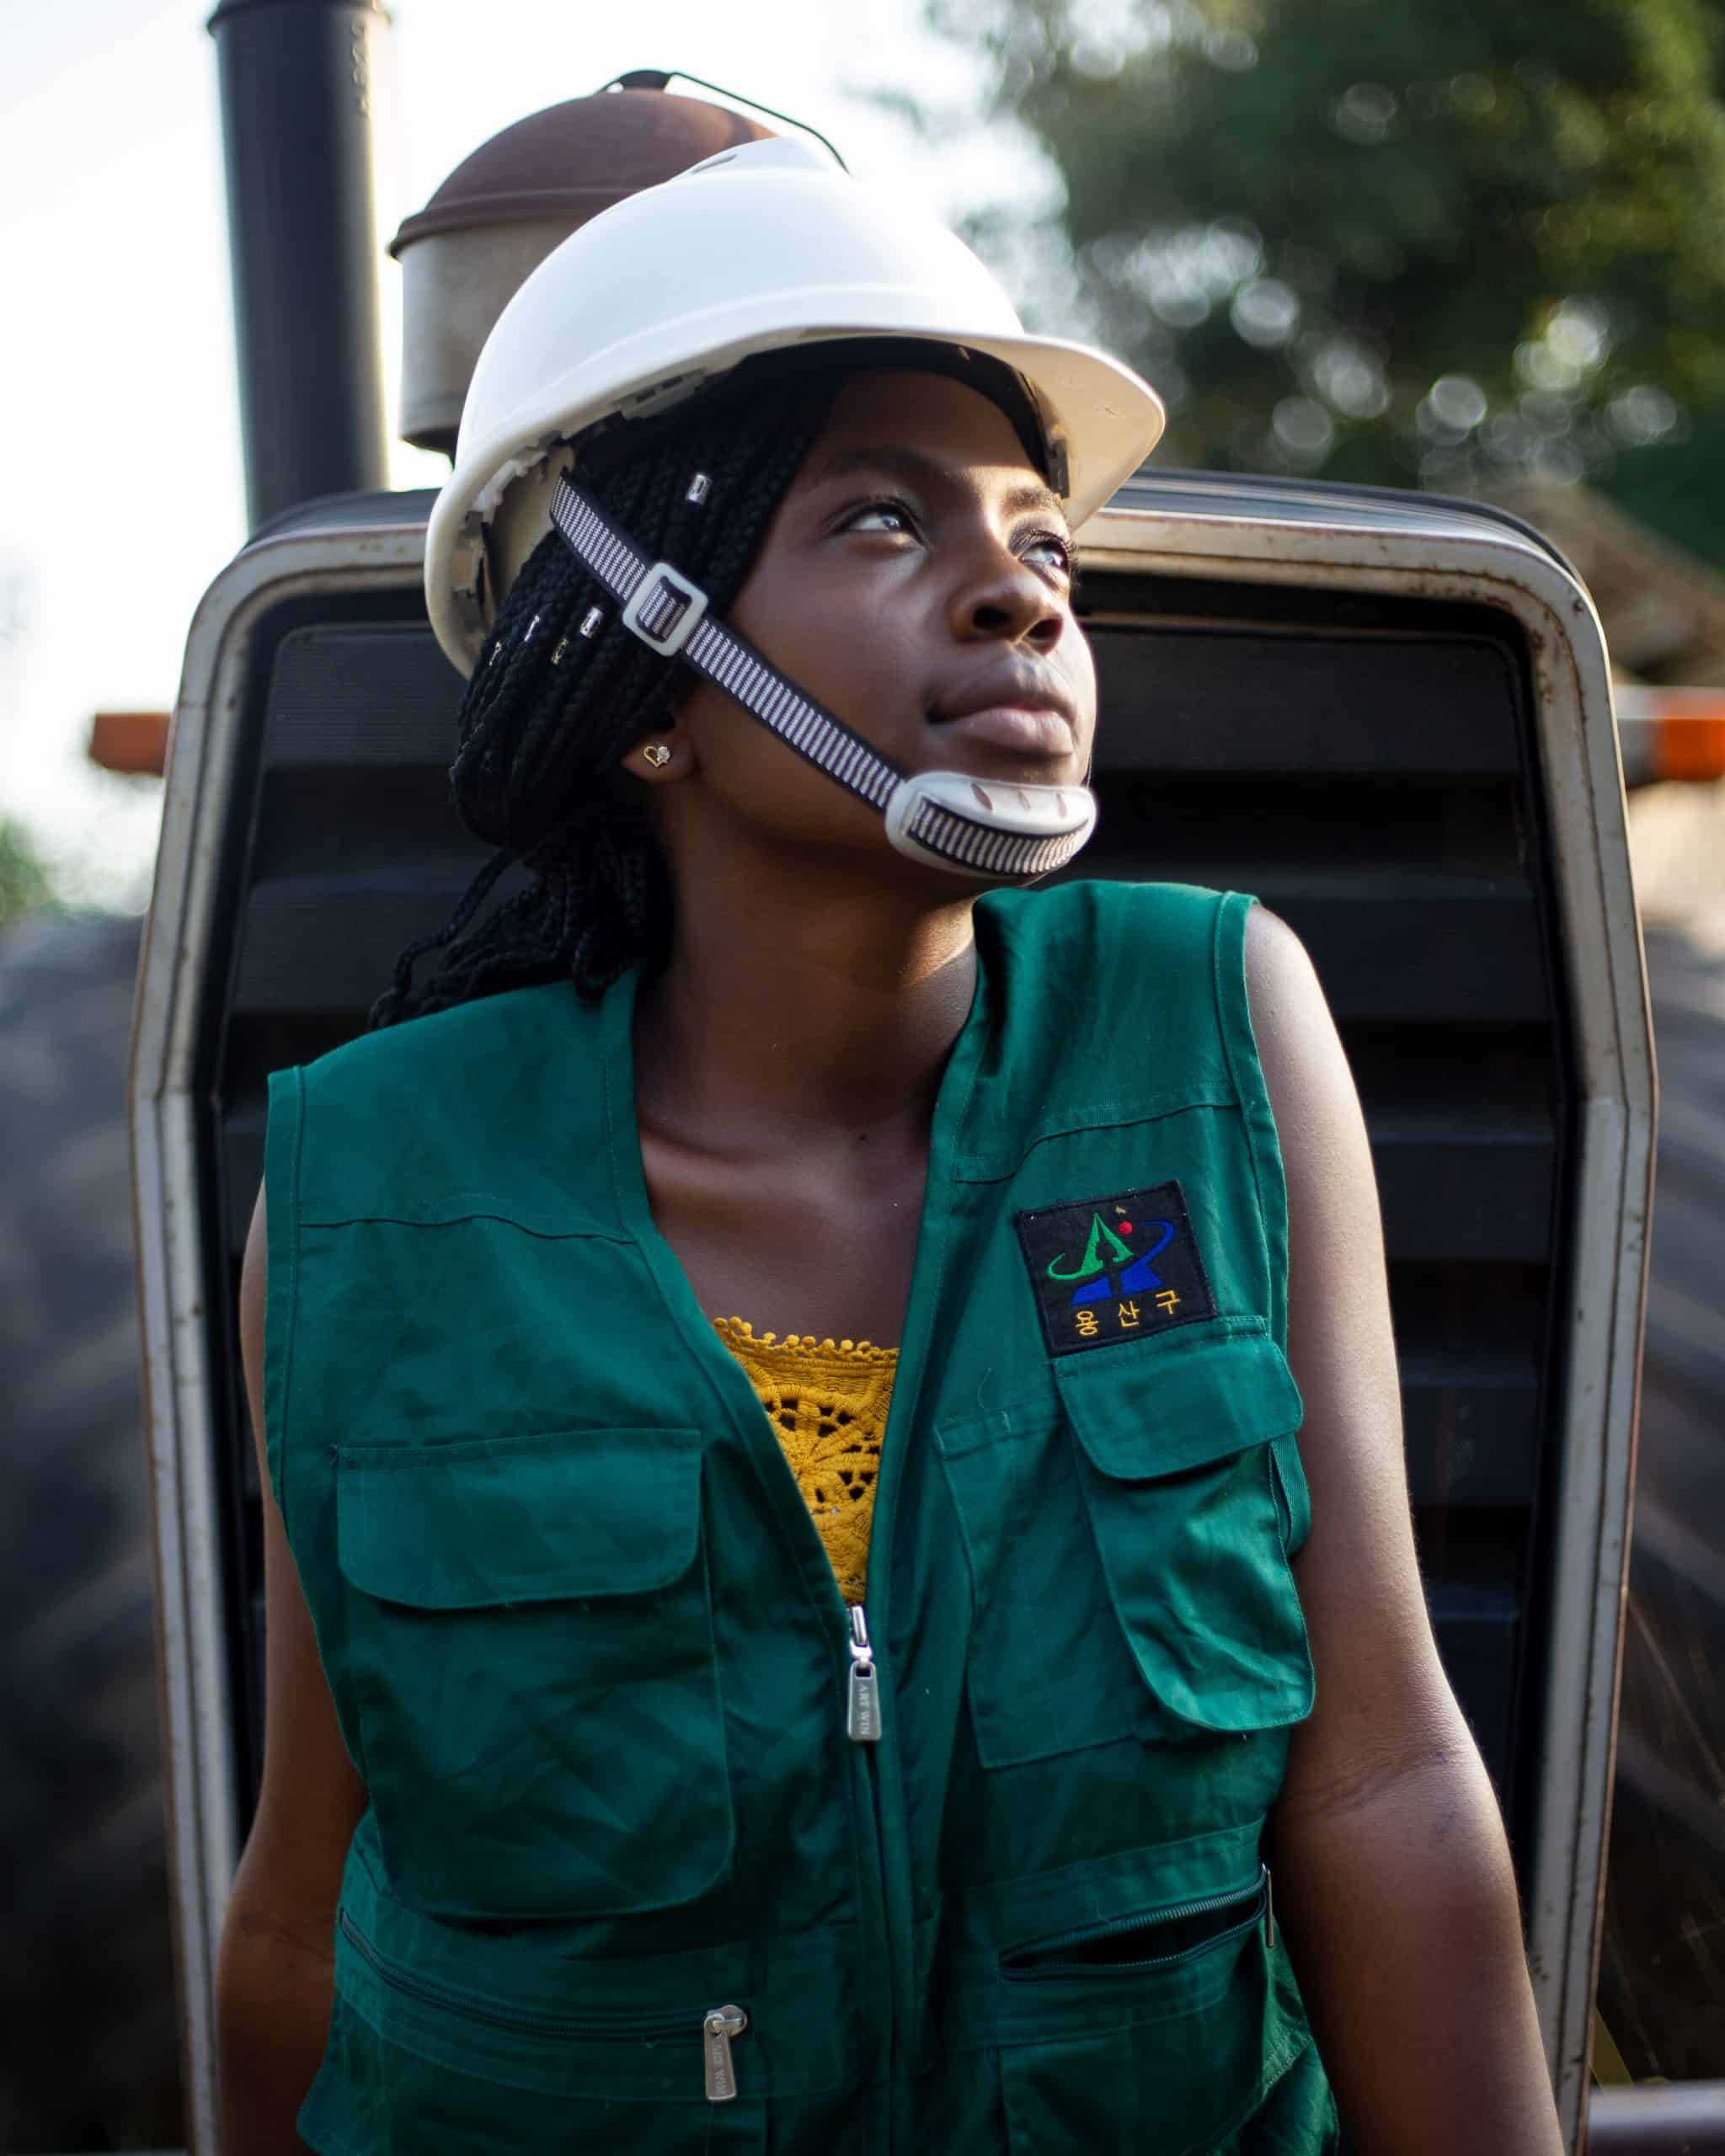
(1004, 600)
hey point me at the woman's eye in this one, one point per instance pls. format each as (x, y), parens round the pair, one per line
(880, 516)
(1053, 549)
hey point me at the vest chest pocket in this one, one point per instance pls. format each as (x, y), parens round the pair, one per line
(1197, 1498)
(1140, 1548)
(529, 1652)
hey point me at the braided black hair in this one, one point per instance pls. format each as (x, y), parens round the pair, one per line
(550, 712)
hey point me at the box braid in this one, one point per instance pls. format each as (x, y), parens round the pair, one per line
(549, 711)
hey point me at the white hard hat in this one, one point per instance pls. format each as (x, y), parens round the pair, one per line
(767, 247)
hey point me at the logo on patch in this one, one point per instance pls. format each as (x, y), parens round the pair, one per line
(1114, 1268)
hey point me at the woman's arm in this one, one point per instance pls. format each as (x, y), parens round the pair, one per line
(274, 1980)
(1391, 1869)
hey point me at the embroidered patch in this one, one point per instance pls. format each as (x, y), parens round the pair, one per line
(1114, 1268)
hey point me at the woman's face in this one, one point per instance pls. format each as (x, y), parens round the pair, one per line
(917, 580)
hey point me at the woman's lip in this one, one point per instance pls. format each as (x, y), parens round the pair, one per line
(1027, 730)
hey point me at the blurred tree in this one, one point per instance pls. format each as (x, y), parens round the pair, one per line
(1679, 489)
(24, 880)
(1425, 243)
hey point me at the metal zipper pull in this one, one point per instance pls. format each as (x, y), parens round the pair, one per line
(862, 1723)
(717, 2030)
(1269, 1912)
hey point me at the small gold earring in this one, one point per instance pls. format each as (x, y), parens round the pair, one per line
(657, 755)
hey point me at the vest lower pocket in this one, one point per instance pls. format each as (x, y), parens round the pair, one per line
(665, 2055)
(529, 1653)
(1164, 1942)
(517, 2039)
(1131, 1561)
(377, 2096)
(1156, 2031)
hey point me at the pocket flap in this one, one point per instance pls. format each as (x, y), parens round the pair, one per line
(1182, 1401)
(557, 1515)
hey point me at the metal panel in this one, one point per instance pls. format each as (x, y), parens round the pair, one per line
(1687, 2120)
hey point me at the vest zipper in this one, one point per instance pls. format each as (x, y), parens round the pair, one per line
(863, 1711)
(718, 2025)
(1026, 1964)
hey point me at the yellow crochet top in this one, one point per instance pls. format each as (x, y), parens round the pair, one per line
(827, 1401)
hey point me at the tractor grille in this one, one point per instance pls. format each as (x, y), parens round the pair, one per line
(1364, 764)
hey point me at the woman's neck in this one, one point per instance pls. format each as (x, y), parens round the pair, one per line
(800, 1015)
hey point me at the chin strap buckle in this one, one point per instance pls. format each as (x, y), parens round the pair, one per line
(666, 609)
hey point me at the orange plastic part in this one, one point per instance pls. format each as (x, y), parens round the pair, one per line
(1692, 744)
(134, 741)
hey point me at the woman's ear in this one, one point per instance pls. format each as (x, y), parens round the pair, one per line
(661, 756)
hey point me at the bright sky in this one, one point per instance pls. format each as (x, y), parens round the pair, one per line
(121, 490)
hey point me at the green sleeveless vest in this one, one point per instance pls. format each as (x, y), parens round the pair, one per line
(659, 1857)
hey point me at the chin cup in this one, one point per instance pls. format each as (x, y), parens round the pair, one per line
(987, 829)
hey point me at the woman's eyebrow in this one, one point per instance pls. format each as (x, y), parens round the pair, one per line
(925, 471)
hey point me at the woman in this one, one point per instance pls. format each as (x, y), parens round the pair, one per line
(647, 1772)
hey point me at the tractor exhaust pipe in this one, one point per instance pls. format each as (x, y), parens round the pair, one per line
(296, 78)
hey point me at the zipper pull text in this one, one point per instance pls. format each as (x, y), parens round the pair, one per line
(862, 1720)
(717, 2030)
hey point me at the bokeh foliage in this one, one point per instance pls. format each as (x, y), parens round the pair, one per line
(1431, 242)
(26, 882)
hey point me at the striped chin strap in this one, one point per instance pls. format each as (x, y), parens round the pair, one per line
(983, 828)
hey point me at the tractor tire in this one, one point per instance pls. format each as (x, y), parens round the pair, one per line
(88, 2046)
(1661, 1975)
